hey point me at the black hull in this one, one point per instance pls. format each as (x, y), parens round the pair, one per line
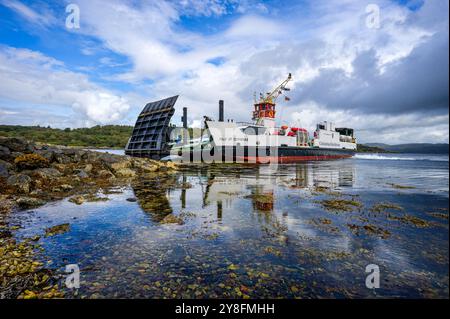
(264, 154)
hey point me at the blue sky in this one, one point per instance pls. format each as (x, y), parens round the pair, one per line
(386, 81)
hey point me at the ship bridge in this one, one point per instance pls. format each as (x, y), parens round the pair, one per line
(152, 129)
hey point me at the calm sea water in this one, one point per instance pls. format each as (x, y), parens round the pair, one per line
(261, 231)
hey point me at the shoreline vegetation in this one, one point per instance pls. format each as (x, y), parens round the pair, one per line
(100, 137)
(108, 136)
(32, 175)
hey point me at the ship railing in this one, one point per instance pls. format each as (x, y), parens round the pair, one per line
(247, 123)
(254, 124)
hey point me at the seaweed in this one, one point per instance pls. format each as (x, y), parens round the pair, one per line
(56, 230)
(343, 205)
(383, 207)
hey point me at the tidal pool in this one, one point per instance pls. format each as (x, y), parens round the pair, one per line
(304, 230)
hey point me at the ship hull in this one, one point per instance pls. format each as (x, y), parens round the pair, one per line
(265, 155)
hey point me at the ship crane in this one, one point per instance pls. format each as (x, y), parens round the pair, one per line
(264, 112)
(271, 97)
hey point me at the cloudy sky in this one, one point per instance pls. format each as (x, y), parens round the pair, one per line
(379, 66)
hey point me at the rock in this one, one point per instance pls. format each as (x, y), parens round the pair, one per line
(145, 165)
(119, 166)
(125, 172)
(31, 161)
(149, 168)
(29, 202)
(163, 169)
(171, 165)
(60, 167)
(172, 219)
(47, 173)
(79, 199)
(5, 167)
(38, 193)
(56, 230)
(28, 294)
(5, 234)
(6, 205)
(105, 174)
(74, 155)
(66, 187)
(132, 199)
(15, 144)
(5, 153)
(62, 158)
(20, 182)
(16, 154)
(95, 198)
(91, 157)
(81, 173)
(47, 153)
(88, 168)
(62, 188)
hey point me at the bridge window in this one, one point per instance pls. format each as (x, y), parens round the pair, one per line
(253, 130)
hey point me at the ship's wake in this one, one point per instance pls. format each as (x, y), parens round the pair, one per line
(408, 157)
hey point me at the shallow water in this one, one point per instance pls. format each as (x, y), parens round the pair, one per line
(260, 231)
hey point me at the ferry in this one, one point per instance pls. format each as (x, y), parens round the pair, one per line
(261, 141)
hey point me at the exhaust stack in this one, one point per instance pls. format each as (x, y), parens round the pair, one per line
(185, 125)
(184, 117)
(220, 110)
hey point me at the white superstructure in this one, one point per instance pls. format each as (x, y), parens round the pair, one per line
(327, 136)
(240, 134)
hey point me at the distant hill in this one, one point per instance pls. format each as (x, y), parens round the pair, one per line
(365, 148)
(108, 136)
(418, 148)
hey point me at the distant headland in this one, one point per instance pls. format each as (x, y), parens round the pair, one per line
(116, 136)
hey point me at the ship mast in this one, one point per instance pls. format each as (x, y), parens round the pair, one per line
(271, 97)
(264, 112)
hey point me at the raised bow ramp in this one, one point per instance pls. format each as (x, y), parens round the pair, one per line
(151, 132)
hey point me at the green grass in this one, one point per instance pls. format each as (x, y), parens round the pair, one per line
(108, 136)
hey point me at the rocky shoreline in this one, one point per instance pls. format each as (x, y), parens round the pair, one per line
(32, 175)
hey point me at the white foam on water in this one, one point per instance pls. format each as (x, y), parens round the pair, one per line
(409, 157)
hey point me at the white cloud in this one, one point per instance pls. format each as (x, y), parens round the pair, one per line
(41, 18)
(100, 106)
(255, 28)
(369, 128)
(202, 7)
(4, 112)
(31, 77)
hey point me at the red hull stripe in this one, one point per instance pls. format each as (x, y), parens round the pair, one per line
(293, 158)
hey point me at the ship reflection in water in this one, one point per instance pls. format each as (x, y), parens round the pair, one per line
(220, 185)
(241, 231)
